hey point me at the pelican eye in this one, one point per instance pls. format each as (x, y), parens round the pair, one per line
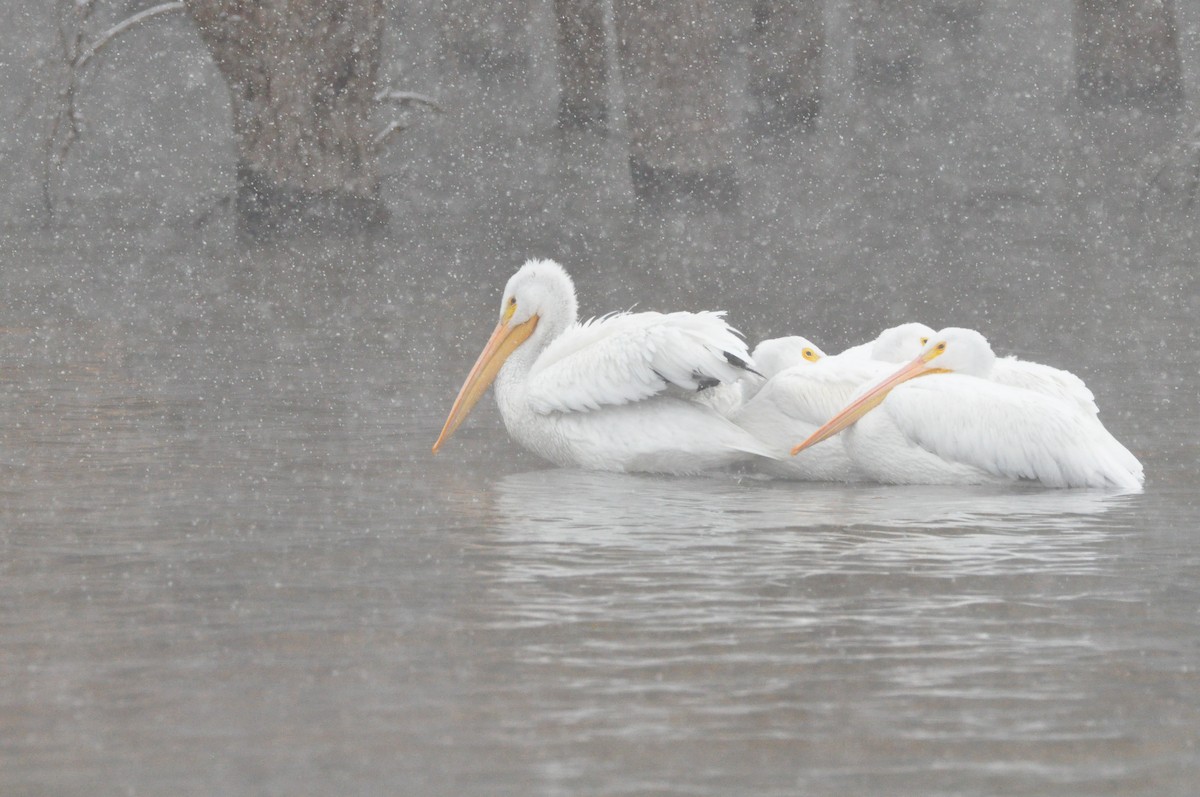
(924, 341)
(936, 351)
(810, 355)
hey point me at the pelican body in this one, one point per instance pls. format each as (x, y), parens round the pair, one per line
(969, 419)
(771, 357)
(615, 393)
(806, 388)
(794, 403)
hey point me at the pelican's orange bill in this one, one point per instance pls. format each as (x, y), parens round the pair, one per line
(867, 402)
(504, 340)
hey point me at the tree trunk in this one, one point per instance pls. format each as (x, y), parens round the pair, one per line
(582, 65)
(302, 77)
(1127, 53)
(787, 41)
(488, 37)
(680, 141)
(887, 48)
(959, 18)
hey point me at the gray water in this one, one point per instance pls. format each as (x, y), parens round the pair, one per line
(230, 565)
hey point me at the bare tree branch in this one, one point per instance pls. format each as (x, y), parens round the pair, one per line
(389, 130)
(405, 97)
(116, 30)
(66, 127)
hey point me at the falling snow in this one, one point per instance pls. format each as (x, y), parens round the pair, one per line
(229, 563)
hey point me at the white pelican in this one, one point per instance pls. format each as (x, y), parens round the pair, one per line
(807, 388)
(614, 393)
(771, 357)
(795, 402)
(897, 344)
(959, 426)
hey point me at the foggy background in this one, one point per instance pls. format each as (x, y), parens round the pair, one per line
(980, 188)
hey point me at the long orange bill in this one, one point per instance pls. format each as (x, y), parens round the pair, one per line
(504, 340)
(865, 403)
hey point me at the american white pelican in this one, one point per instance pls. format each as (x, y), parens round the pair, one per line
(771, 357)
(614, 393)
(897, 344)
(958, 426)
(795, 402)
(807, 388)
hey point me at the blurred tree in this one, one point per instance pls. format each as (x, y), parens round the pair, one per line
(78, 49)
(886, 41)
(582, 65)
(303, 79)
(1127, 53)
(957, 17)
(680, 140)
(787, 41)
(64, 126)
(486, 37)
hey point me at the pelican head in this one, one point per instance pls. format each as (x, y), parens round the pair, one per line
(540, 289)
(951, 350)
(961, 351)
(774, 355)
(538, 302)
(899, 344)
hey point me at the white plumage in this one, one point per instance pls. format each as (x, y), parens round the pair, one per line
(896, 344)
(807, 388)
(627, 357)
(614, 393)
(1044, 379)
(771, 357)
(797, 400)
(958, 423)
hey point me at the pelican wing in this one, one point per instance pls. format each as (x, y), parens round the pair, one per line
(1046, 380)
(1010, 432)
(628, 357)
